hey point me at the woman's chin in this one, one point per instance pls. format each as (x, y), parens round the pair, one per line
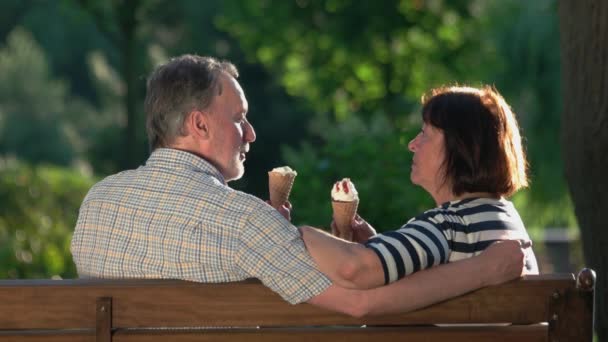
(413, 178)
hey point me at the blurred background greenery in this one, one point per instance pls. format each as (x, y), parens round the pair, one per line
(333, 87)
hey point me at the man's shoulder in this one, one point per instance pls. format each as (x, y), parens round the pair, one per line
(185, 191)
(243, 203)
(116, 180)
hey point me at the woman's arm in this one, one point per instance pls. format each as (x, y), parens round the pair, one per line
(499, 263)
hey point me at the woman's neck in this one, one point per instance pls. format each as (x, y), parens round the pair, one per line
(476, 195)
(447, 196)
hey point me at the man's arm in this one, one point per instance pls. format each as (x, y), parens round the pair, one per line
(347, 264)
(499, 263)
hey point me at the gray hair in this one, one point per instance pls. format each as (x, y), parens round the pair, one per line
(174, 89)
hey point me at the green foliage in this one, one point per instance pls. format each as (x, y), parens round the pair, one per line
(376, 158)
(187, 26)
(35, 108)
(558, 213)
(38, 214)
(333, 84)
(360, 56)
(326, 55)
(526, 35)
(29, 111)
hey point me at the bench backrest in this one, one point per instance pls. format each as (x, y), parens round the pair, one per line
(173, 310)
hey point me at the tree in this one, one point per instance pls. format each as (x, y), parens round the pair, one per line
(119, 21)
(142, 34)
(188, 26)
(347, 70)
(584, 51)
(37, 215)
(526, 34)
(35, 107)
(361, 67)
(361, 57)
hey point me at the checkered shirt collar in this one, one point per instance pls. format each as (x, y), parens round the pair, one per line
(177, 159)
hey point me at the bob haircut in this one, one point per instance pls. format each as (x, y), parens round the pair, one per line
(483, 149)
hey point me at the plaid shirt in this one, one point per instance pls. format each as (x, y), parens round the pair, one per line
(176, 218)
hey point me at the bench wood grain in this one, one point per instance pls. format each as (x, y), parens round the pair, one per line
(535, 308)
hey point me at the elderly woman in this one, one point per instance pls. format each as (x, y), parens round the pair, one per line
(468, 157)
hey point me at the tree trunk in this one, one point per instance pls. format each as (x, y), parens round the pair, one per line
(128, 25)
(123, 13)
(584, 55)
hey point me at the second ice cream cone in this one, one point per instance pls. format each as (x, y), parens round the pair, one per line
(344, 212)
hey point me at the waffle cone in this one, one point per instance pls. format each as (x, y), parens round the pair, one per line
(344, 212)
(279, 187)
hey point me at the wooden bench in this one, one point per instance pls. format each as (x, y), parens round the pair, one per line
(172, 310)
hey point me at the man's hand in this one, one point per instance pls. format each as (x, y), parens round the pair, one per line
(362, 230)
(285, 210)
(504, 261)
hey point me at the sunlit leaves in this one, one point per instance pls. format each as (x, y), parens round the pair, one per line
(348, 56)
(375, 156)
(32, 104)
(40, 206)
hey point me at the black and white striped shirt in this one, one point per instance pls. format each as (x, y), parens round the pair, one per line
(454, 231)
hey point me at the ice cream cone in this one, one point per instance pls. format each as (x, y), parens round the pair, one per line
(279, 186)
(344, 212)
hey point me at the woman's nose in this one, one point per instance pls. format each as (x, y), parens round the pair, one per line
(412, 144)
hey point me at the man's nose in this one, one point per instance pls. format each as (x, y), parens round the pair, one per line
(249, 133)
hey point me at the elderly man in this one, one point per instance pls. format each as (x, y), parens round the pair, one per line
(175, 217)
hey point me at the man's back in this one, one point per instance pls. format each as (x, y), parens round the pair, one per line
(176, 218)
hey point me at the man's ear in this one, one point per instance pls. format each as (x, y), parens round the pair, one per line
(198, 124)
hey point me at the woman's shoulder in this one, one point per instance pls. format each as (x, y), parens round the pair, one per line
(477, 205)
(461, 210)
(467, 211)
(433, 216)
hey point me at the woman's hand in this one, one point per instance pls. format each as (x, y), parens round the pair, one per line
(362, 230)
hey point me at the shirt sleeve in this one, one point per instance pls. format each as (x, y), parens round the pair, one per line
(272, 250)
(417, 245)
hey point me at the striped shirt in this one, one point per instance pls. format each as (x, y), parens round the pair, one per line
(176, 218)
(454, 231)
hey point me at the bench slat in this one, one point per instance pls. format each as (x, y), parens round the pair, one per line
(48, 304)
(410, 334)
(48, 336)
